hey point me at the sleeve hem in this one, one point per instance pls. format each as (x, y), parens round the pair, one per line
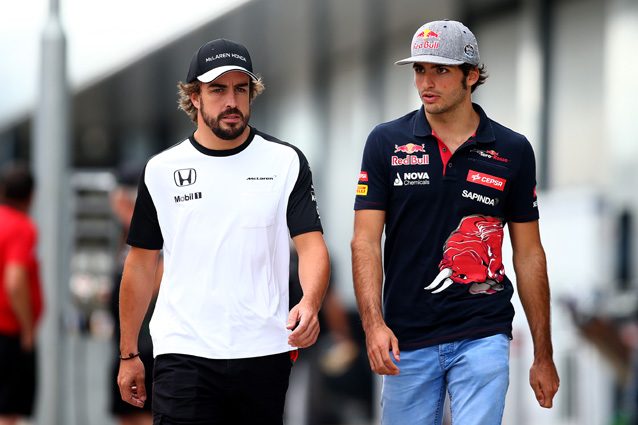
(524, 219)
(298, 232)
(369, 207)
(144, 245)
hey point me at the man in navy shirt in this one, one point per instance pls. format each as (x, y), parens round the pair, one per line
(443, 181)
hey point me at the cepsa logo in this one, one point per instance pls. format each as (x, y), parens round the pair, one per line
(426, 39)
(486, 180)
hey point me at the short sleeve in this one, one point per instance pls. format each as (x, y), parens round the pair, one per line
(372, 187)
(302, 214)
(21, 246)
(145, 231)
(522, 204)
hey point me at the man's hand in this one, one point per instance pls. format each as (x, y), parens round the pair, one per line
(543, 379)
(380, 341)
(27, 340)
(304, 323)
(130, 379)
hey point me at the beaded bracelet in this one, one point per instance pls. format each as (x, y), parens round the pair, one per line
(130, 356)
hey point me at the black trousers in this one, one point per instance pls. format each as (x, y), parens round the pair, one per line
(17, 377)
(190, 390)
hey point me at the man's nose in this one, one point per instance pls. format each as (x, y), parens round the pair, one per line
(231, 99)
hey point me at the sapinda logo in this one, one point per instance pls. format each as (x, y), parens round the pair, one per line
(486, 180)
(480, 198)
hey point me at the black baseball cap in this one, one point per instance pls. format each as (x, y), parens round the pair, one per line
(218, 57)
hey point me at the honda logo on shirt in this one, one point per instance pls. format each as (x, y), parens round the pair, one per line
(185, 177)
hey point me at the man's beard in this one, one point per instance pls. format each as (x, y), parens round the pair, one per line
(231, 132)
(453, 100)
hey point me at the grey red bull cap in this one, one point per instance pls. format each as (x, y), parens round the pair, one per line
(444, 43)
(218, 57)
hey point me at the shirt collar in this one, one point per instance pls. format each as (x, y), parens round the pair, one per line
(223, 152)
(484, 132)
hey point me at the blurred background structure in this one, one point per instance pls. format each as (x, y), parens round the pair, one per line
(561, 72)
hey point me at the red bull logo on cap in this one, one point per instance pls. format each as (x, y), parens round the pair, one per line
(427, 34)
(427, 39)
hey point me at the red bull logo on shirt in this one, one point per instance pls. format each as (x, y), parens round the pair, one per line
(409, 148)
(472, 255)
(410, 160)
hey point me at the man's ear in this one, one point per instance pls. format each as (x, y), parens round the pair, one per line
(473, 76)
(195, 99)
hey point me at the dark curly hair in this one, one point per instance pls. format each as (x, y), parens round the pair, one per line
(466, 68)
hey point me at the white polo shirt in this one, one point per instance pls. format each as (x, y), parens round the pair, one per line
(223, 220)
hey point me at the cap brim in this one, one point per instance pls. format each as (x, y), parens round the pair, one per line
(429, 59)
(215, 73)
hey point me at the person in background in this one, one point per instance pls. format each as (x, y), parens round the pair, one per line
(20, 295)
(443, 181)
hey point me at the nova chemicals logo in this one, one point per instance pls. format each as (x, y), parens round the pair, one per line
(411, 179)
(185, 177)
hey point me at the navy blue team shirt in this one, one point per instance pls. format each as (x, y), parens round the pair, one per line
(444, 218)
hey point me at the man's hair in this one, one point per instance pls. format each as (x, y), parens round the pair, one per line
(466, 68)
(16, 182)
(184, 91)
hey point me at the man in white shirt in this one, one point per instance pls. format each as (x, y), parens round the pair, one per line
(222, 205)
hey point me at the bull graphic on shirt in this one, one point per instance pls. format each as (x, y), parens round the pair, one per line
(472, 256)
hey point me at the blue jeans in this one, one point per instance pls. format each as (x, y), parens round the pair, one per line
(475, 373)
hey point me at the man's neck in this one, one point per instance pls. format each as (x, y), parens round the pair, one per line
(205, 137)
(21, 206)
(456, 126)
